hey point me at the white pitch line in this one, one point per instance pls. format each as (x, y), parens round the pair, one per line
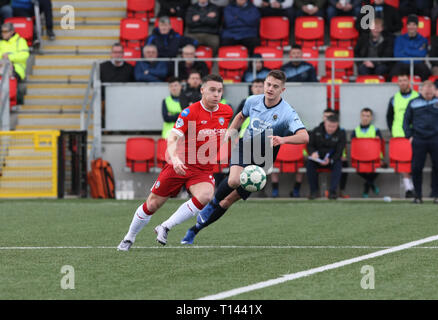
(209, 247)
(306, 273)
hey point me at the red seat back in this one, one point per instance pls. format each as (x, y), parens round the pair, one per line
(162, 155)
(12, 91)
(370, 79)
(342, 67)
(205, 52)
(343, 32)
(336, 90)
(24, 27)
(133, 32)
(365, 154)
(400, 154)
(133, 53)
(142, 9)
(270, 53)
(177, 24)
(232, 71)
(394, 3)
(140, 154)
(290, 157)
(274, 31)
(309, 31)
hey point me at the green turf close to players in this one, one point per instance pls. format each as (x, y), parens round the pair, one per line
(189, 273)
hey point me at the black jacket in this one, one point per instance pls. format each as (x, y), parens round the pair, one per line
(434, 50)
(189, 96)
(205, 24)
(384, 49)
(183, 71)
(323, 143)
(180, 7)
(392, 21)
(168, 45)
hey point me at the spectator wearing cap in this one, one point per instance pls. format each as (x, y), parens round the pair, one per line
(411, 45)
(167, 40)
(260, 70)
(298, 70)
(241, 25)
(375, 44)
(202, 23)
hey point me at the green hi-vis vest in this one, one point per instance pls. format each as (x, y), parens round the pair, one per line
(370, 133)
(400, 104)
(173, 107)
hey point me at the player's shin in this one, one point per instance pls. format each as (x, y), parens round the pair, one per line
(141, 218)
(222, 191)
(186, 211)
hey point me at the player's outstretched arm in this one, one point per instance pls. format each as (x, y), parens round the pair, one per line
(235, 124)
(300, 137)
(177, 163)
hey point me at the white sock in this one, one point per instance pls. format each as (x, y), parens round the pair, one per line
(186, 211)
(408, 184)
(139, 220)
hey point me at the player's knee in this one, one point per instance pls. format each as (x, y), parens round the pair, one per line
(205, 197)
(153, 204)
(234, 182)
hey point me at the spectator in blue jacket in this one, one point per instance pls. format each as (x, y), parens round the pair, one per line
(298, 70)
(411, 45)
(241, 25)
(150, 71)
(168, 41)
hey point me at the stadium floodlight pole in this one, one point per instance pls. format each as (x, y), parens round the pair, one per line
(4, 97)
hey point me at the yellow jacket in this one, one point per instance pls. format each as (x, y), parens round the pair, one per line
(18, 51)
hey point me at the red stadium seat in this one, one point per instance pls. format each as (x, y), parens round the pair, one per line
(131, 53)
(424, 27)
(270, 53)
(336, 91)
(309, 31)
(274, 31)
(161, 152)
(370, 79)
(232, 71)
(342, 68)
(140, 154)
(177, 24)
(24, 27)
(394, 3)
(309, 52)
(12, 91)
(400, 154)
(365, 154)
(142, 9)
(343, 32)
(290, 157)
(133, 32)
(205, 52)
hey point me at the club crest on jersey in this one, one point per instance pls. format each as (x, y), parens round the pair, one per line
(157, 184)
(275, 116)
(179, 123)
(221, 121)
(185, 112)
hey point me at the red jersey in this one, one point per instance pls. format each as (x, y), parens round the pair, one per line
(203, 131)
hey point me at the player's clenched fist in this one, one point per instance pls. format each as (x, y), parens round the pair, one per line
(276, 140)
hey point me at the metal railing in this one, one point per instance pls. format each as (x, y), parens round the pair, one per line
(4, 96)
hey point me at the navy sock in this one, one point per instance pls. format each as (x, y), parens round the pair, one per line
(222, 191)
(217, 213)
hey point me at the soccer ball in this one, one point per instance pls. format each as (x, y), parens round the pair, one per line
(253, 178)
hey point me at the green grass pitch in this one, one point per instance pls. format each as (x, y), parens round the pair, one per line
(255, 241)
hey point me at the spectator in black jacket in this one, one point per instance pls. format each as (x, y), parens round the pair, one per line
(326, 144)
(173, 8)
(116, 70)
(391, 17)
(298, 70)
(167, 41)
(192, 92)
(375, 44)
(434, 54)
(202, 23)
(343, 8)
(189, 64)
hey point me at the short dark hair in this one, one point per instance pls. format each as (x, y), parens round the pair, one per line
(328, 110)
(212, 77)
(194, 71)
(173, 79)
(366, 109)
(333, 118)
(257, 81)
(296, 46)
(277, 74)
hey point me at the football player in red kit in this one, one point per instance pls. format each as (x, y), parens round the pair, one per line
(192, 147)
